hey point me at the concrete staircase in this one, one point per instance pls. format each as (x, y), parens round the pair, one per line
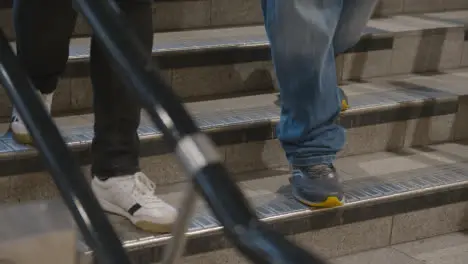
(405, 164)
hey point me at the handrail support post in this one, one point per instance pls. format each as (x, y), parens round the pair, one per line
(176, 246)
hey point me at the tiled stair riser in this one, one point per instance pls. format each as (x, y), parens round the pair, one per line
(193, 14)
(244, 157)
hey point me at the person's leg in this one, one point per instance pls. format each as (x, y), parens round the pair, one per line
(353, 21)
(43, 29)
(354, 17)
(115, 149)
(118, 183)
(301, 36)
(344, 98)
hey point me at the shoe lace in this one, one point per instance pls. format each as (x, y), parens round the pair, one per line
(313, 172)
(319, 170)
(144, 188)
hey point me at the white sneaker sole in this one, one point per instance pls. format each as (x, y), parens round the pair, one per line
(142, 224)
(24, 139)
(20, 134)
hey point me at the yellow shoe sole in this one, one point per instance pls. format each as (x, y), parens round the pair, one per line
(344, 105)
(154, 228)
(330, 202)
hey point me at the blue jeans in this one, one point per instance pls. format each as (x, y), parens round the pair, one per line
(305, 36)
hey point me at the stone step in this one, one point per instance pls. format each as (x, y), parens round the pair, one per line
(394, 113)
(230, 62)
(448, 249)
(195, 14)
(425, 195)
(50, 238)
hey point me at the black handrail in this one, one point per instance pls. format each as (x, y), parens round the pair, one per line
(141, 76)
(65, 172)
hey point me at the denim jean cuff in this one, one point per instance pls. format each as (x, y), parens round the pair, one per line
(310, 161)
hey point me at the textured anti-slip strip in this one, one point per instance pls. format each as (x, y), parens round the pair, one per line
(367, 198)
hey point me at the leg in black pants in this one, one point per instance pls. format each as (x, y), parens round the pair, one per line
(117, 114)
(43, 30)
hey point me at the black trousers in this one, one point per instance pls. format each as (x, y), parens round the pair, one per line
(43, 30)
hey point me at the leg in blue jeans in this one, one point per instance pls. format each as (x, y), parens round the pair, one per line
(305, 35)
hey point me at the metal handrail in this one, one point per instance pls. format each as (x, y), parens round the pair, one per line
(197, 153)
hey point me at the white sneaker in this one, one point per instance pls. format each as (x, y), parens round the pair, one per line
(133, 198)
(18, 128)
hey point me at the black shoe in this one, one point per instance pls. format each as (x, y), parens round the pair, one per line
(317, 186)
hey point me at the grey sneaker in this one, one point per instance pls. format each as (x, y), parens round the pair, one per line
(317, 186)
